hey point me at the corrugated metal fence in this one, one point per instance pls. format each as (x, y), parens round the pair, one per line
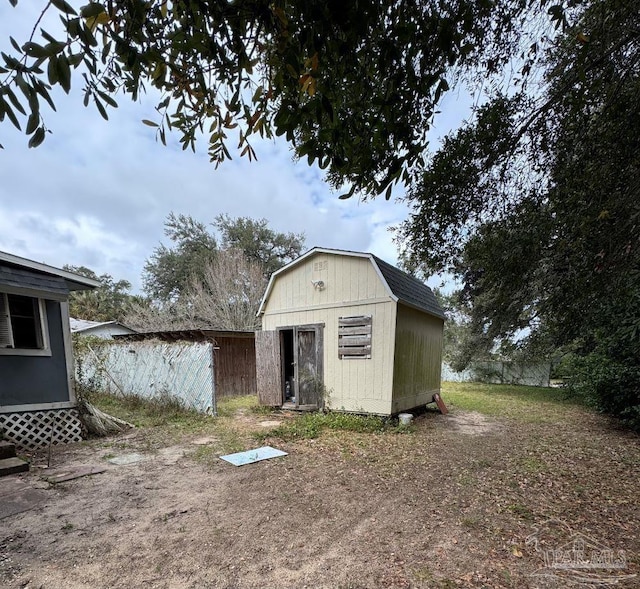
(532, 374)
(151, 369)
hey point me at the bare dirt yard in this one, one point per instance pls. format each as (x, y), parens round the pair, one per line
(471, 499)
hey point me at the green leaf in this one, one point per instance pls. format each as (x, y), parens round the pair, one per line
(15, 45)
(75, 59)
(54, 47)
(64, 73)
(91, 10)
(32, 123)
(37, 138)
(63, 6)
(110, 101)
(34, 50)
(52, 71)
(149, 123)
(12, 62)
(12, 116)
(14, 100)
(42, 89)
(101, 109)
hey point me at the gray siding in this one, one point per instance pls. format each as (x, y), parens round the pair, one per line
(37, 379)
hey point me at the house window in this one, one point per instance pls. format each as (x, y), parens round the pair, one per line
(22, 325)
(354, 337)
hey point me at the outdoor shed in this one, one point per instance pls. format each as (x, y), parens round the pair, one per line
(348, 331)
(234, 356)
(37, 397)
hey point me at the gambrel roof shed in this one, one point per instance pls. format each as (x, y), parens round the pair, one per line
(402, 287)
(349, 330)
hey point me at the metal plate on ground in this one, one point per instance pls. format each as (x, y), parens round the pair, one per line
(250, 456)
(127, 459)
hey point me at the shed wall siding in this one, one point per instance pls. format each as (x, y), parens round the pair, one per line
(346, 280)
(418, 358)
(355, 384)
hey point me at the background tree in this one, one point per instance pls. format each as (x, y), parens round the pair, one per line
(225, 296)
(109, 302)
(201, 282)
(170, 271)
(260, 244)
(459, 341)
(536, 207)
(229, 295)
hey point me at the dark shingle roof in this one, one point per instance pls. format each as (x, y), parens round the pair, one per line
(72, 280)
(409, 290)
(33, 281)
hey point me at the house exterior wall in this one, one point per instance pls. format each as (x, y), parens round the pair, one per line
(418, 358)
(36, 380)
(351, 287)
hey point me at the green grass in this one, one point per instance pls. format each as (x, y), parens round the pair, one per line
(529, 404)
(167, 418)
(162, 410)
(229, 406)
(310, 425)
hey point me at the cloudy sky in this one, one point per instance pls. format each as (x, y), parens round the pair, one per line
(96, 193)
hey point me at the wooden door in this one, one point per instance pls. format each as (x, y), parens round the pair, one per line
(268, 368)
(308, 367)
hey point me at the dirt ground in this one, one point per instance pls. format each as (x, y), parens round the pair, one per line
(462, 501)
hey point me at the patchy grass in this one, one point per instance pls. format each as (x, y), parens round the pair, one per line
(353, 504)
(230, 406)
(162, 410)
(307, 426)
(165, 419)
(528, 404)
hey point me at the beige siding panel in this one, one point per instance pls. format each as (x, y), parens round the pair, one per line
(346, 280)
(353, 384)
(418, 358)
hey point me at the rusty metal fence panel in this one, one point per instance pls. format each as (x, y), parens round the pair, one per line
(534, 374)
(152, 369)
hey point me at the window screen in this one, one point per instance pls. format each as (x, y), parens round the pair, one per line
(354, 337)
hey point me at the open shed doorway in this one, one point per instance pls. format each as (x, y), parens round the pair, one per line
(302, 374)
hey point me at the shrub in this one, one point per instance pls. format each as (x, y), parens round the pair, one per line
(611, 386)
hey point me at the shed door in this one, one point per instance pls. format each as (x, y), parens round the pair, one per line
(308, 366)
(268, 372)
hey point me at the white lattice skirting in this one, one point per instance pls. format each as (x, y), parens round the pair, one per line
(35, 429)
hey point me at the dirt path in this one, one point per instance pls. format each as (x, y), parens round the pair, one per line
(450, 505)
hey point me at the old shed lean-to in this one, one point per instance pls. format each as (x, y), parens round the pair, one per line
(348, 331)
(234, 358)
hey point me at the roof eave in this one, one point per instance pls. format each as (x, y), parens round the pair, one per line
(422, 309)
(74, 281)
